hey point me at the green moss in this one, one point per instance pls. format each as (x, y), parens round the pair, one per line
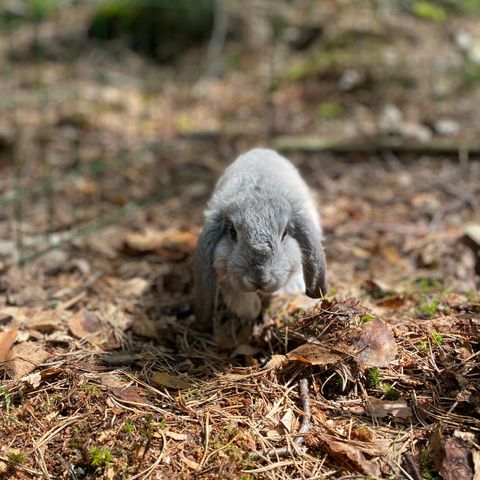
(437, 339)
(128, 428)
(366, 318)
(17, 458)
(429, 284)
(469, 5)
(374, 375)
(99, 457)
(91, 390)
(423, 345)
(329, 110)
(7, 399)
(321, 61)
(429, 11)
(390, 392)
(427, 466)
(470, 71)
(429, 309)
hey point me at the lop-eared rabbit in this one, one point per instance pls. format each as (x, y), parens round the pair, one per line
(261, 235)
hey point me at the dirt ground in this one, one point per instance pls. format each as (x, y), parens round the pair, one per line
(103, 372)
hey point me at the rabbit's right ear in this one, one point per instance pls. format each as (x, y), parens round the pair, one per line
(309, 238)
(205, 277)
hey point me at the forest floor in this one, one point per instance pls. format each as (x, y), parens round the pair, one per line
(104, 374)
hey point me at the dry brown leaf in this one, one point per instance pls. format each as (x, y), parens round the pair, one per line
(467, 436)
(314, 354)
(363, 434)
(377, 289)
(350, 455)
(190, 463)
(392, 302)
(275, 362)
(24, 358)
(383, 408)
(135, 287)
(45, 321)
(117, 317)
(451, 456)
(176, 436)
(146, 327)
(172, 244)
(110, 380)
(35, 379)
(7, 339)
(376, 345)
(301, 303)
(244, 349)
(232, 333)
(392, 255)
(37, 318)
(454, 300)
(476, 464)
(85, 325)
(164, 379)
(275, 434)
(131, 394)
(287, 420)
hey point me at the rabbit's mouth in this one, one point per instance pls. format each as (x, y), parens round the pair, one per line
(251, 285)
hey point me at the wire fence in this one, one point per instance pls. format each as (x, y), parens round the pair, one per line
(62, 176)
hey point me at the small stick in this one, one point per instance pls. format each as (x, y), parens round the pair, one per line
(207, 438)
(304, 427)
(68, 467)
(305, 399)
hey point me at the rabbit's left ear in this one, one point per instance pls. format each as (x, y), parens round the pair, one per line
(309, 238)
(205, 278)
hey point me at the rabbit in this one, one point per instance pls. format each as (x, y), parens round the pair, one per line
(261, 235)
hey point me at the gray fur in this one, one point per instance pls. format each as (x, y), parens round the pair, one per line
(260, 194)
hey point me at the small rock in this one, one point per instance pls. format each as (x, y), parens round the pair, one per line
(390, 118)
(415, 131)
(7, 248)
(53, 261)
(463, 39)
(350, 79)
(472, 232)
(473, 52)
(447, 127)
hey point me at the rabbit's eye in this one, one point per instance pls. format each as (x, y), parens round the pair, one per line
(232, 232)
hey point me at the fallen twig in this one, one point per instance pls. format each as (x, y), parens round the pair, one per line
(304, 427)
(313, 144)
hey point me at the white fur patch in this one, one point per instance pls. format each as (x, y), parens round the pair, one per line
(245, 305)
(296, 284)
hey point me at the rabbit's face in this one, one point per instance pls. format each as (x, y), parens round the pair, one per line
(256, 251)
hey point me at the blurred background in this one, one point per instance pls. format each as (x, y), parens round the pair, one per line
(111, 106)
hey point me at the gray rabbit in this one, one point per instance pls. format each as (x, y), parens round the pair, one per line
(262, 233)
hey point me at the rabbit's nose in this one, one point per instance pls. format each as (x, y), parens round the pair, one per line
(258, 282)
